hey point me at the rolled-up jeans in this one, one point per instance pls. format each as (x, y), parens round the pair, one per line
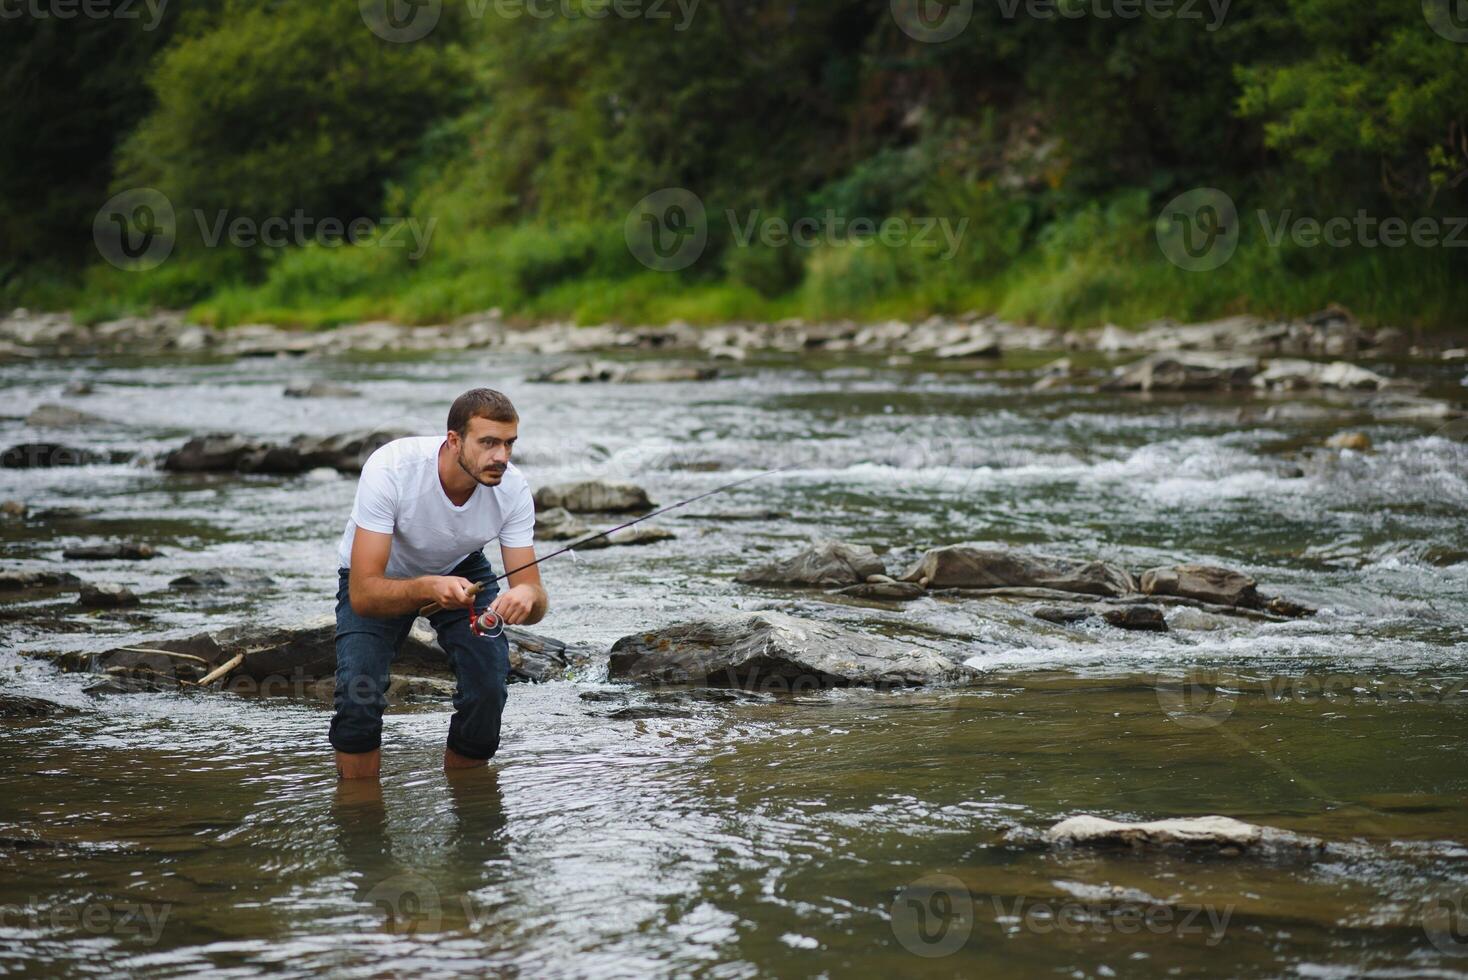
(366, 646)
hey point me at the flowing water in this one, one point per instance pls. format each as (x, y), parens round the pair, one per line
(846, 832)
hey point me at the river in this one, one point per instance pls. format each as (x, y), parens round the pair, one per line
(837, 833)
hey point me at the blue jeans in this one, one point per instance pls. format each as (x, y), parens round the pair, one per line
(366, 646)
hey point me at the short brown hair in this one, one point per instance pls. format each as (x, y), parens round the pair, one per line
(484, 403)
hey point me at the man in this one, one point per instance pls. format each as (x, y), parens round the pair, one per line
(425, 509)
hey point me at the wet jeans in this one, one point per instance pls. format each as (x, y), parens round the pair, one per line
(366, 646)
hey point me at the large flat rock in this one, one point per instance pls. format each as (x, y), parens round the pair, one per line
(968, 566)
(773, 651)
(1211, 832)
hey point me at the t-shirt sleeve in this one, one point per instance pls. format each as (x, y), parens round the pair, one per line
(519, 527)
(375, 508)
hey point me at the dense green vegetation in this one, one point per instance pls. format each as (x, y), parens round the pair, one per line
(498, 157)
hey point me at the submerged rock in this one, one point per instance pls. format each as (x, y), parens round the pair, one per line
(112, 551)
(772, 651)
(106, 596)
(17, 581)
(890, 590)
(320, 389)
(52, 416)
(1180, 371)
(18, 706)
(825, 563)
(601, 496)
(968, 566)
(214, 579)
(1213, 832)
(1133, 617)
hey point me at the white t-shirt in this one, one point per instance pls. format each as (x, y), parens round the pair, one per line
(400, 494)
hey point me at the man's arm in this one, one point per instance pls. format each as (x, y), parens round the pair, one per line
(525, 601)
(372, 593)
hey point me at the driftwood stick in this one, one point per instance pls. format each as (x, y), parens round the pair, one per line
(165, 653)
(221, 670)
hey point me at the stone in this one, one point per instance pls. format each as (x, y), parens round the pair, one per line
(209, 454)
(825, 563)
(596, 496)
(1179, 371)
(320, 389)
(642, 534)
(557, 524)
(19, 706)
(772, 651)
(106, 596)
(1063, 615)
(213, 579)
(13, 508)
(50, 416)
(890, 591)
(344, 452)
(124, 550)
(1204, 833)
(645, 372)
(1134, 617)
(19, 581)
(979, 345)
(1207, 583)
(972, 566)
(1358, 441)
(1292, 375)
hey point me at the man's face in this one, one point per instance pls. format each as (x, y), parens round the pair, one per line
(485, 449)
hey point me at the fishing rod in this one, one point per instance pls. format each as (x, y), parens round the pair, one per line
(489, 620)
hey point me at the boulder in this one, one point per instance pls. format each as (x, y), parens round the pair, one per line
(772, 651)
(1206, 833)
(642, 534)
(51, 416)
(1207, 583)
(106, 596)
(344, 452)
(1179, 371)
(209, 454)
(320, 389)
(17, 581)
(600, 496)
(970, 566)
(891, 591)
(826, 563)
(1289, 374)
(1358, 441)
(557, 524)
(1134, 617)
(115, 550)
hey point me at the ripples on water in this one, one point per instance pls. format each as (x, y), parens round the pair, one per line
(744, 835)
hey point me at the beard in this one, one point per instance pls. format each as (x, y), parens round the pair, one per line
(490, 476)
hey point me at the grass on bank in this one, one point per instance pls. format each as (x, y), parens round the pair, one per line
(1100, 266)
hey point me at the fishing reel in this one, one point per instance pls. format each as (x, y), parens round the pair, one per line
(488, 624)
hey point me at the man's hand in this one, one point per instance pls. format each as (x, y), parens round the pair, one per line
(451, 591)
(515, 605)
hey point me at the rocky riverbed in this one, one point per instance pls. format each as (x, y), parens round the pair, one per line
(1014, 597)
